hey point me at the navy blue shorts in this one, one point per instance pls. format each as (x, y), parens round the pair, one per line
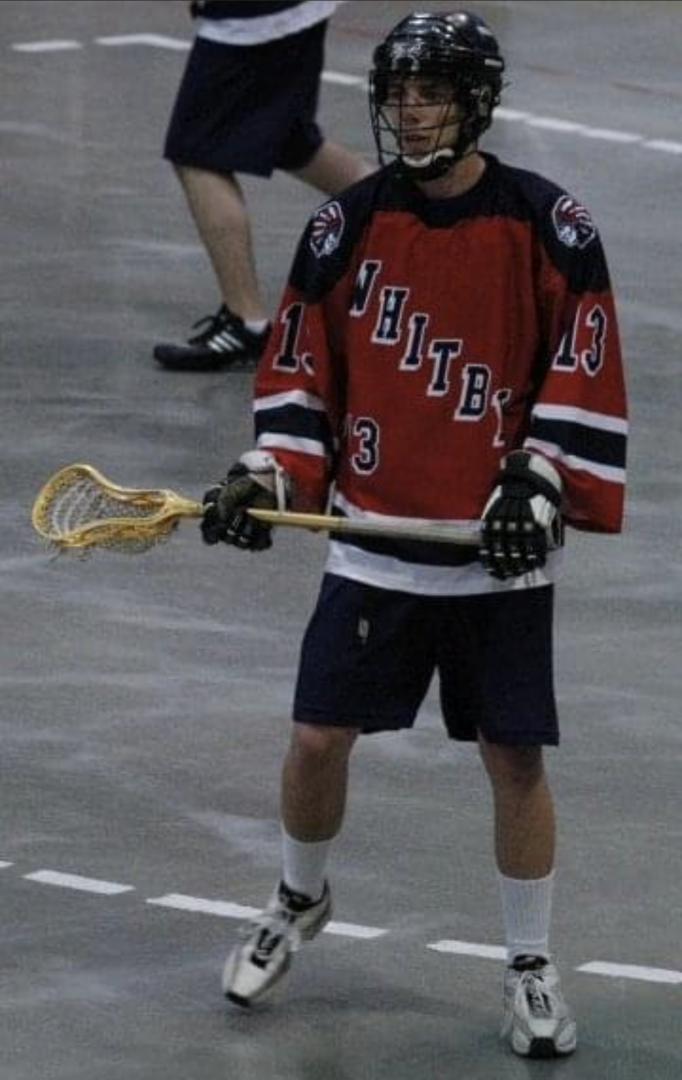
(249, 108)
(369, 656)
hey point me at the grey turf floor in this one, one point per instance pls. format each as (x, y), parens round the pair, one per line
(145, 700)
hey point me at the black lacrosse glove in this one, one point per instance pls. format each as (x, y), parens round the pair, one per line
(521, 520)
(255, 481)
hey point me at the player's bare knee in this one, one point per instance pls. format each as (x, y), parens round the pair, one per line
(319, 745)
(519, 767)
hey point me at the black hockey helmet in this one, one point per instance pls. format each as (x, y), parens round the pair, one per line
(458, 51)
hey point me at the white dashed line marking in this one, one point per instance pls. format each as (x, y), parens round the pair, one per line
(585, 131)
(222, 908)
(226, 910)
(667, 146)
(154, 41)
(46, 46)
(632, 971)
(341, 78)
(75, 881)
(470, 948)
(353, 930)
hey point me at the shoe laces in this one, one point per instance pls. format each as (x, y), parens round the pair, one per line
(540, 997)
(271, 927)
(212, 324)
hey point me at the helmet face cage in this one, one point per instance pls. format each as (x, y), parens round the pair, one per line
(455, 54)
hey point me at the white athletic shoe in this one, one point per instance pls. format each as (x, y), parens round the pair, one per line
(264, 956)
(537, 1021)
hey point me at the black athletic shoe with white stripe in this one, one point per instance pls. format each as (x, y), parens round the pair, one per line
(223, 341)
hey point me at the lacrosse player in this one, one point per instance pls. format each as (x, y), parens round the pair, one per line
(247, 104)
(446, 348)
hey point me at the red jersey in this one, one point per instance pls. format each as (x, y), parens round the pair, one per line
(420, 340)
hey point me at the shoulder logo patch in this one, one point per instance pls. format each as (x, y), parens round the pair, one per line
(326, 229)
(572, 222)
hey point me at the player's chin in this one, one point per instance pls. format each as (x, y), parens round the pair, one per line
(416, 148)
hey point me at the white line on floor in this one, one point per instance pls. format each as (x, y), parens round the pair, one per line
(341, 78)
(632, 971)
(470, 948)
(45, 46)
(75, 881)
(353, 930)
(226, 910)
(547, 123)
(222, 908)
(154, 41)
(666, 145)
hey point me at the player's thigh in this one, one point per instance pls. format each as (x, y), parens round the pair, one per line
(496, 668)
(367, 657)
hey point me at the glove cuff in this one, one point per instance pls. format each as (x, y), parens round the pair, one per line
(534, 469)
(266, 471)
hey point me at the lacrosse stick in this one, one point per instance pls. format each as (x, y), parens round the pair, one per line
(443, 532)
(78, 509)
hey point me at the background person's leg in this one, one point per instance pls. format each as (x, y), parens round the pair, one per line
(221, 216)
(333, 168)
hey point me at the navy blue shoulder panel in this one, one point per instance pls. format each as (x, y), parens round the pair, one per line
(563, 225)
(555, 219)
(332, 234)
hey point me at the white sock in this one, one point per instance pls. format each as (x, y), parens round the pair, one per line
(256, 326)
(303, 864)
(526, 913)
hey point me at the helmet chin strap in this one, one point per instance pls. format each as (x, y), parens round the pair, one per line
(429, 166)
(434, 165)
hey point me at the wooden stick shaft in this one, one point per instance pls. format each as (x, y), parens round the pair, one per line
(443, 532)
